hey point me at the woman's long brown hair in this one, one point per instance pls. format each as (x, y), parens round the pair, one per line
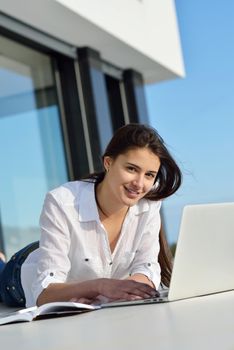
(165, 258)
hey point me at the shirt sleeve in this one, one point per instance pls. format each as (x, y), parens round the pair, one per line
(53, 261)
(146, 257)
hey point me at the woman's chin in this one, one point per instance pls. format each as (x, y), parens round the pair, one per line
(129, 201)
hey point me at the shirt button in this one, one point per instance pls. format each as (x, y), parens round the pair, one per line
(86, 259)
(149, 264)
(111, 263)
(51, 274)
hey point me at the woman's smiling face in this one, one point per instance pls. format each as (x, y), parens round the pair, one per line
(131, 175)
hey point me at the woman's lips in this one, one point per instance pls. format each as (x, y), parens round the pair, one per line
(132, 193)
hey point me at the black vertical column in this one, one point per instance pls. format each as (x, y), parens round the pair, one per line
(135, 97)
(115, 101)
(95, 102)
(70, 106)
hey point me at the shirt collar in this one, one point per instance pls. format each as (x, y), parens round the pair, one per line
(87, 204)
(141, 207)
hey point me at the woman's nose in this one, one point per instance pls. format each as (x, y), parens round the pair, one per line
(139, 181)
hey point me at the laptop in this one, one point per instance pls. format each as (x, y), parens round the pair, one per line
(204, 258)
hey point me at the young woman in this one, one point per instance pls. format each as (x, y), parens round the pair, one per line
(100, 236)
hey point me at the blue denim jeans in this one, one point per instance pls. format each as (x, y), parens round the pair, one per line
(2, 265)
(11, 291)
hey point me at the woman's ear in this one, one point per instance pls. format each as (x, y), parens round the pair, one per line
(107, 161)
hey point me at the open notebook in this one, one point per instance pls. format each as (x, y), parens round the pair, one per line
(204, 259)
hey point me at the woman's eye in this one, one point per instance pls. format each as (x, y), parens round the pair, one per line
(131, 169)
(150, 175)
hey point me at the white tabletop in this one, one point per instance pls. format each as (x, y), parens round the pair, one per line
(199, 323)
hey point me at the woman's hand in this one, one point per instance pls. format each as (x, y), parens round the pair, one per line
(114, 289)
(96, 291)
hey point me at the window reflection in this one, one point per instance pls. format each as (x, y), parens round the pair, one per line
(31, 148)
(101, 107)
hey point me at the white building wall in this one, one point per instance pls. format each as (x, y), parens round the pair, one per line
(138, 34)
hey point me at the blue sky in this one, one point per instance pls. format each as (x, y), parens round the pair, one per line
(195, 115)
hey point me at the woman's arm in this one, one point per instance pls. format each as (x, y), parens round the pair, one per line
(112, 289)
(139, 277)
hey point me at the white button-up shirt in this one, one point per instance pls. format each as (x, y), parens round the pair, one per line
(74, 244)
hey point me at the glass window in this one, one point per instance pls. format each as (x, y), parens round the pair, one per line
(102, 114)
(32, 155)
